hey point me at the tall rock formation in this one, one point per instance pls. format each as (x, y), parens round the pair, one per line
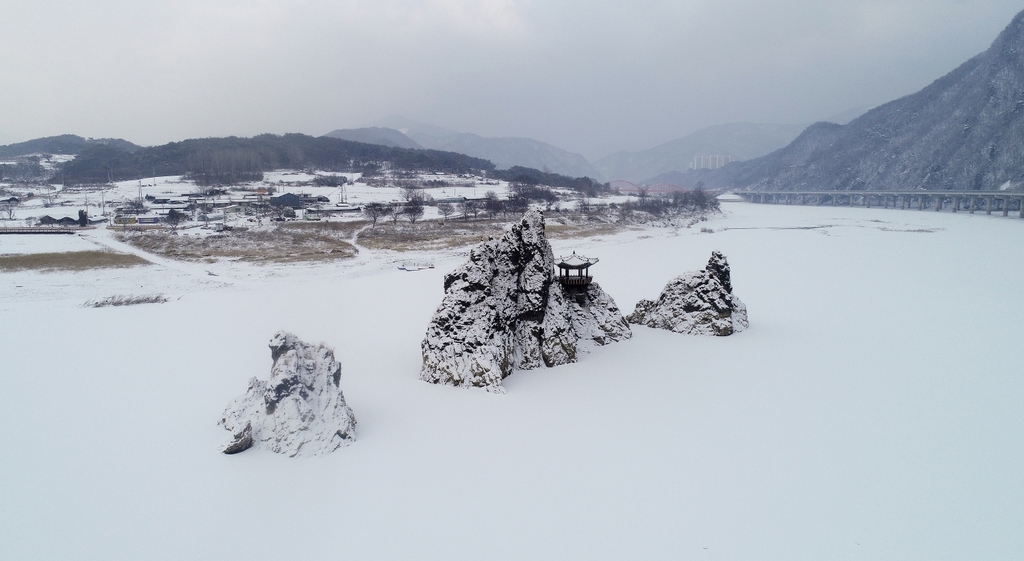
(696, 303)
(962, 132)
(504, 310)
(299, 411)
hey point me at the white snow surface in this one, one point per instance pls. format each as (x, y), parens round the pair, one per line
(871, 411)
(300, 411)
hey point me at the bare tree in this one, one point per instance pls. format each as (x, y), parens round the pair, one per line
(642, 194)
(396, 212)
(518, 205)
(173, 219)
(374, 211)
(469, 207)
(493, 205)
(411, 193)
(413, 211)
(445, 210)
(8, 207)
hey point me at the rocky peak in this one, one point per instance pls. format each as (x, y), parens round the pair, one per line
(504, 310)
(299, 411)
(719, 267)
(696, 303)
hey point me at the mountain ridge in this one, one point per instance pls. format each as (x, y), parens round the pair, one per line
(961, 132)
(741, 141)
(504, 152)
(62, 144)
(376, 135)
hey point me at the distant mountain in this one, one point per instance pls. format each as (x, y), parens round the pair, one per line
(63, 144)
(741, 141)
(504, 152)
(233, 159)
(965, 131)
(376, 135)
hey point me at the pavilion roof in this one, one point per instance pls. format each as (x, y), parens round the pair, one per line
(575, 261)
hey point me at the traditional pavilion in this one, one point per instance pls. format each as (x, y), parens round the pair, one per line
(579, 264)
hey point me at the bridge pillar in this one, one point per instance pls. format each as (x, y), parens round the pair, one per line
(885, 201)
(1021, 201)
(938, 202)
(903, 202)
(920, 202)
(974, 204)
(851, 199)
(956, 204)
(834, 197)
(867, 200)
(1006, 206)
(988, 205)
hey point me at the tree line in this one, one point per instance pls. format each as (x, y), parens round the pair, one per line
(233, 159)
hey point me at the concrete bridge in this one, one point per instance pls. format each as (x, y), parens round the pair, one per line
(970, 201)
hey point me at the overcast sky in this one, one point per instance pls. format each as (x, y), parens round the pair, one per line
(590, 76)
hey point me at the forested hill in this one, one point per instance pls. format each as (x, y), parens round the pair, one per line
(63, 144)
(242, 158)
(963, 132)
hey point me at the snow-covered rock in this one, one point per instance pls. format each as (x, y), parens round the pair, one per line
(696, 303)
(299, 411)
(505, 310)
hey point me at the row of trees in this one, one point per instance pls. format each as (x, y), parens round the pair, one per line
(411, 211)
(224, 167)
(25, 169)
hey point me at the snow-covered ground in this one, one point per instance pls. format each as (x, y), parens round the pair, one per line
(101, 200)
(871, 411)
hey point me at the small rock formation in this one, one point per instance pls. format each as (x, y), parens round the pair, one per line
(299, 411)
(696, 303)
(504, 310)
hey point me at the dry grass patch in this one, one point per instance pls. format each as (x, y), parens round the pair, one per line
(433, 235)
(69, 261)
(286, 243)
(558, 231)
(430, 235)
(343, 230)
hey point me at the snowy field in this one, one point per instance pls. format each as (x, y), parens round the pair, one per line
(873, 410)
(58, 202)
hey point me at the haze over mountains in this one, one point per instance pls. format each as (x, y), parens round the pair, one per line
(504, 152)
(740, 141)
(376, 135)
(965, 131)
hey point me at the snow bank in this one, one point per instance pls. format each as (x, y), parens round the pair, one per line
(299, 411)
(696, 303)
(503, 310)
